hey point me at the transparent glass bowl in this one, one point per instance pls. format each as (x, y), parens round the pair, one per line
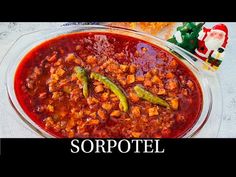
(28, 41)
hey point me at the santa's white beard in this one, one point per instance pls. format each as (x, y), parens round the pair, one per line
(213, 43)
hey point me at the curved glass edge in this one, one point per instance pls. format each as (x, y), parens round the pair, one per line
(42, 35)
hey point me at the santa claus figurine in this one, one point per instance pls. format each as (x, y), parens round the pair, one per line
(212, 43)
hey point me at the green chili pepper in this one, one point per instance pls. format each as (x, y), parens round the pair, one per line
(146, 95)
(114, 88)
(82, 76)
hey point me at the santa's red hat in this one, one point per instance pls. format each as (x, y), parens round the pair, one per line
(221, 27)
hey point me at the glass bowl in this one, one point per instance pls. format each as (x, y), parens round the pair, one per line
(28, 41)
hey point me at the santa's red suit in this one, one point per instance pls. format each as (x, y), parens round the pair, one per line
(210, 40)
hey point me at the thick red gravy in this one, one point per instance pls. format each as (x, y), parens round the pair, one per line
(50, 94)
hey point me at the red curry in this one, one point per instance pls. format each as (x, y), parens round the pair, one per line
(51, 93)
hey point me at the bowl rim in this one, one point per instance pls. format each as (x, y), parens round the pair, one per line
(189, 57)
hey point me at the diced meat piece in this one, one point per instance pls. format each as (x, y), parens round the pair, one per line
(161, 91)
(107, 106)
(140, 78)
(113, 67)
(93, 115)
(153, 111)
(37, 70)
(114, 99)
(174, 103)
(87, 112)
(169, 75)
(50, 108)
(115, 113)
(70, 57)
(74, 77)
(71, 133)
(54, 78)
(172, 84)
(147, 83)
(154, 71)
(136, 53)
(62, 123)
(105, 64)
(154, 89)
(70, 124)
(79, 115)
(105, 96)
(190, 84)
(144, 118)
(135, 110)
(144, 49)
(57, 127)
(48, 122)
(102, 114)
(156, 80)
(136, 134)
(132, 68)
(51, 87)
(121, 79)
(93, 122)
(91, 59)
(148, 75)
(124, 68)
(63, 112)
(173, 64)
(73, 110)
(92, 100)
(58, 62)
(60, 72)
(130, 79)
(56, 95)
(182, 80)
(134, 98)
(120, 55)
(98, 88)
(161, 74)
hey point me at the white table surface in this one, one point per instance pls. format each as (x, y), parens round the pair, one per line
(10, 127)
